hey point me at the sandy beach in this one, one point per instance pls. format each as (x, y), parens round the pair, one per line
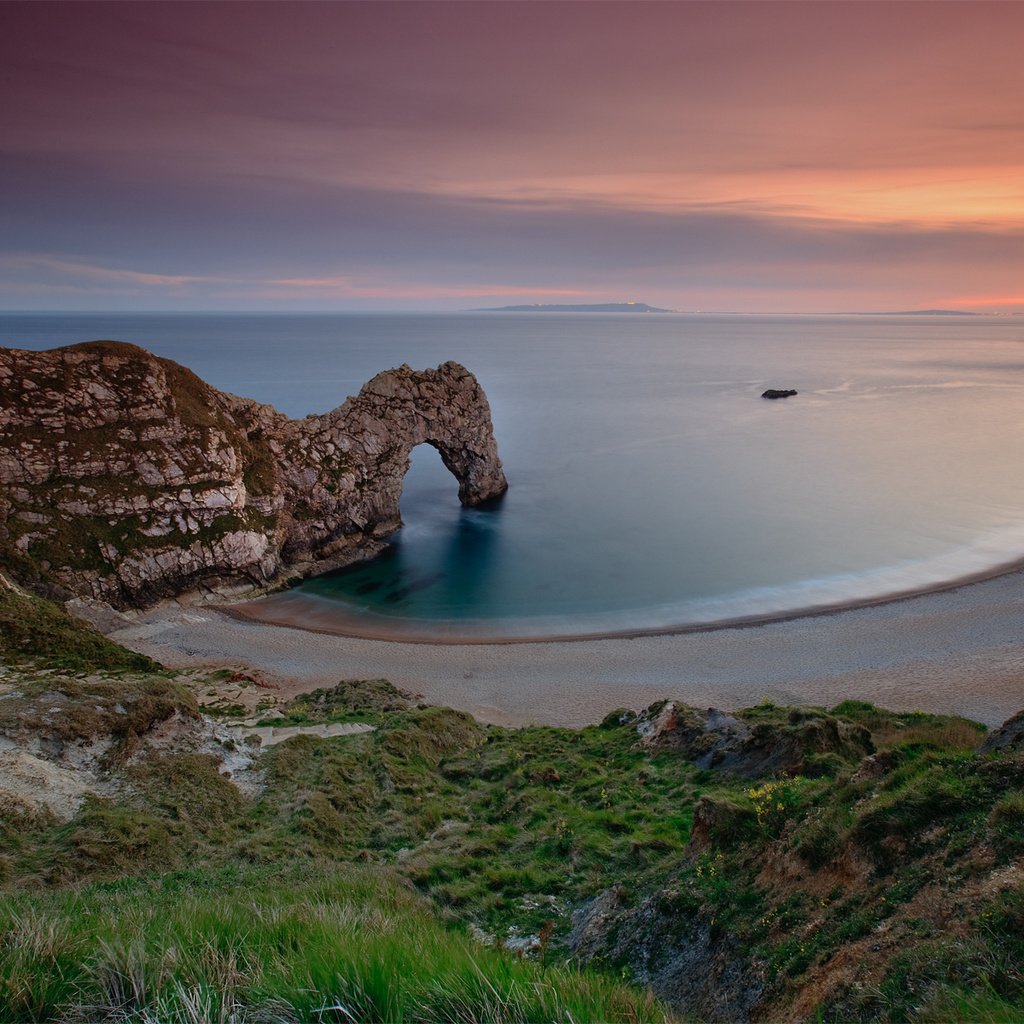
(957, 651)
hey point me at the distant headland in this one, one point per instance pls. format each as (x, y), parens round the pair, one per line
(919, 312)
(599, 307)
(643, 307)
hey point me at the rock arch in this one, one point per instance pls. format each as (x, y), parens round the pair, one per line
(124, 477)
(445, 408)
(373, 435)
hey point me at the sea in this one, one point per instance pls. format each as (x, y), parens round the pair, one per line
(650, 485)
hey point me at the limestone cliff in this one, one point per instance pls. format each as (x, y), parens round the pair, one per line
(126, 478)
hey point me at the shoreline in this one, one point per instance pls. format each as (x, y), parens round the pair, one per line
(353, 626)
(953, 650)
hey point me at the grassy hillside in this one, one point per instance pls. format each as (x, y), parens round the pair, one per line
(873, 873)
(282, 945)
(38, 633)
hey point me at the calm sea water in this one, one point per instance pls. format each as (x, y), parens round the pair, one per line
(649, 483)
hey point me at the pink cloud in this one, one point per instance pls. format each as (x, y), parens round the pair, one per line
(410, 152)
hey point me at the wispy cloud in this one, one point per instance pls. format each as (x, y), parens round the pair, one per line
(999, 301)
(923, 197)
(101, 274)
(61, 274)
(344, 286)
(788, 154)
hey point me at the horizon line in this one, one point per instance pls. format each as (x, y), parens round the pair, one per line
(493, 309)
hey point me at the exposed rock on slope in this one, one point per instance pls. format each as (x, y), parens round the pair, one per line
(64, 739)
(126, 478)
(684, 959)
(866, 893)
(1008, 737)
(809, 742)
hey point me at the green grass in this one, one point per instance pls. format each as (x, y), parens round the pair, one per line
(1007, 821)
(929, 792)
(895, 729)
(248, 945)
(362, 699)
(40, 633)
(954, 1006)
(358, 850)
(549, 815)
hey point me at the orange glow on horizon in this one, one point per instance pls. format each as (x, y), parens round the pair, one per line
(989, 301)
(923, 196)
(758, 157)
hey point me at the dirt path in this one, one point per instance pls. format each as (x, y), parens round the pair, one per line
(269, 735)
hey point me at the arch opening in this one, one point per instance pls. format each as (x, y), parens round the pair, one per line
(430, 489)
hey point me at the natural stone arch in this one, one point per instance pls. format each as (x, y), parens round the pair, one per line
(445, 408)
(125, 477)
(426, 458)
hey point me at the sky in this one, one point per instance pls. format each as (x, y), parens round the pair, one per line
(775, 157)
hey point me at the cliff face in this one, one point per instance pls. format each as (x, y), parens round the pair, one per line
(126, 478)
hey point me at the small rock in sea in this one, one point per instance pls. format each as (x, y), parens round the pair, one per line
(775, 393)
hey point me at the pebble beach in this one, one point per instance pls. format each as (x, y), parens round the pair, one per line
(952, 651)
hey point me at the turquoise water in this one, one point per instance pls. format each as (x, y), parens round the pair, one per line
(650, 485)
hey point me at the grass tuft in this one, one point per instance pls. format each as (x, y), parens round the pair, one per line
(303, 946)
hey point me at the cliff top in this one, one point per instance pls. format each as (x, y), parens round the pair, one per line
(772, 863)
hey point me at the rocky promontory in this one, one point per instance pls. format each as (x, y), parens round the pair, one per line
(127, 479)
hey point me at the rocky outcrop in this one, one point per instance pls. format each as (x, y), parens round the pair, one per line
(778, 393)
(125, 478)
(671, 945)
(1008, 737)
(64, 739)
(806, 741)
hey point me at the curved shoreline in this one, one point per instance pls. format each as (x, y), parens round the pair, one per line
(354, 627)
(957, 650)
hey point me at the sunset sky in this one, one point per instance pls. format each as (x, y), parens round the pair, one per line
(752, 157)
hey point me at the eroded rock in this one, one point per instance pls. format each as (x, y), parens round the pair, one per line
(127, 479)
(1008, 737)
(670, 944)
(798, 744)
(64, 739)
